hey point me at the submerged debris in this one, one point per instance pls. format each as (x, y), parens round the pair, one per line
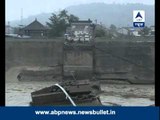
(79, 93)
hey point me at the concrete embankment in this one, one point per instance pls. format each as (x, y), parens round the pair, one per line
(114, 59)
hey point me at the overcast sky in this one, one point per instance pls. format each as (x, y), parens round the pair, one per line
(33, 7)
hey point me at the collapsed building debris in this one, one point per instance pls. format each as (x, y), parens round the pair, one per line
(74, 89)
(81, 93)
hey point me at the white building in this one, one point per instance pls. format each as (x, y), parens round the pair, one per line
(9, 29)
(80, 31)
(123, 31)
(152, 31)
(135, 33)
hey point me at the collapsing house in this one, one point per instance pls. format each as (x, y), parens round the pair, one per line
(80, 31)
(78, 50)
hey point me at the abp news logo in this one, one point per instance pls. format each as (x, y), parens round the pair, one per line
(138, 18)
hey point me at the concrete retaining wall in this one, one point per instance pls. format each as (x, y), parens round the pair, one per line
(134, 59)
(33, 53)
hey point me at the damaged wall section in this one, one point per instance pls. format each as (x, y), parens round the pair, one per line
(78, 61)
(114, 59)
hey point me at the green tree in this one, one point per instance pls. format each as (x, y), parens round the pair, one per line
(72, 18)
(99, 32)
(145, 31)
(59, 22)
(113, 28)
(16, 30)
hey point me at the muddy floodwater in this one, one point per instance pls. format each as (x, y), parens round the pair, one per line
(19, 93)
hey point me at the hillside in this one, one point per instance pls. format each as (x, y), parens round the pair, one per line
(117, 14)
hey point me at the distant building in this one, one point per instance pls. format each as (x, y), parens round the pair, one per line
(9, 29)
(152, 31)
(123, 31)
(152, 28)
(35, 30)
(134, 32)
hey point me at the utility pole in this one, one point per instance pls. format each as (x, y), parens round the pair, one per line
(8, 27)
(21, 17)
(93, 51)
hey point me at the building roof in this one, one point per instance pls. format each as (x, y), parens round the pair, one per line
(35, 25)
(82, 21)
(8, 26)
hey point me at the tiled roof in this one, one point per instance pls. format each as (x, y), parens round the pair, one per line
(35, 25)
